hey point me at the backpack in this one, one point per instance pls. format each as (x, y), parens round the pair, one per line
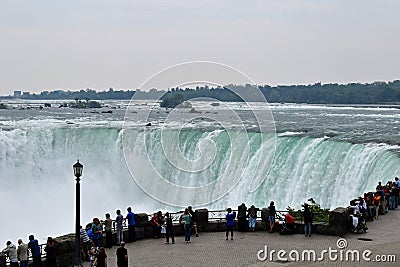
(90, 234)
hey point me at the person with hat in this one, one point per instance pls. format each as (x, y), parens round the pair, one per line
(230, 222)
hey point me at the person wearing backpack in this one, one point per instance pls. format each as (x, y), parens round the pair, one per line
(252, 215)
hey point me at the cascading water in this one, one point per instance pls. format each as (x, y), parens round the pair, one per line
(37, 189)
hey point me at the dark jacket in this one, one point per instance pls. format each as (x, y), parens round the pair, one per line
(308, 216)
(33, 245)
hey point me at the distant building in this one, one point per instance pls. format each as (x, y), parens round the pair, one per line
(26, 94)
(17, 93)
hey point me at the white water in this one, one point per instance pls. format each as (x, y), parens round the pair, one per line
(37, 183)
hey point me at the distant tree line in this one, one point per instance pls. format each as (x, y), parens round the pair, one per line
(333, 93)
(353, 93)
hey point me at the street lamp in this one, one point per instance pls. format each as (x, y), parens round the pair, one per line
(78, 168)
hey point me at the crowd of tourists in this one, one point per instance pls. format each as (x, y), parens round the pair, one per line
(366, 208)
(373, 204)
(20, 254)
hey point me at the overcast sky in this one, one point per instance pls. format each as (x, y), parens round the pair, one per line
(47, 44)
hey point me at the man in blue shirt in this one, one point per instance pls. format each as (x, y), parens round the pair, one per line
(131, 225)
(33, 245)
(230, 222)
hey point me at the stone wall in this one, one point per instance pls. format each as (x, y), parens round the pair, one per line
(337, 226)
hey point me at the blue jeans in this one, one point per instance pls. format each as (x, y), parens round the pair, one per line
(370, 216)
(307, 228)
(392, 202)
(23, 264)
(188, 231)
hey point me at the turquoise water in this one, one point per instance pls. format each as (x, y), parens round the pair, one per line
(329, 154)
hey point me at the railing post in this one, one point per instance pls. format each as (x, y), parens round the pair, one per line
(339, 218)
(202, 218)
(264, 214)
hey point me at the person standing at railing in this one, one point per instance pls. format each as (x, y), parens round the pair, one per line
(230, 222)
(308, 217)
(271, 217)
(154, 223)
(169, 229)
(108, 230)
(242, 209)
(11, 252)
(119, 225)
(22, 252)
(51, 253)
(194, 219)
(186, 220)
(130, 217)
(252, 215)
(33, 245)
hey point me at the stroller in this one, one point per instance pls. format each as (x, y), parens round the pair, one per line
(285, 228)
(358, 223)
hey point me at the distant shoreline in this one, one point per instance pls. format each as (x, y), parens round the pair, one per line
(377, 93)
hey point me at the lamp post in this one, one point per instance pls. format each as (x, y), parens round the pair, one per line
(78, 168)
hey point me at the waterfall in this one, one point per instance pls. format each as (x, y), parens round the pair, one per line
(37, 191)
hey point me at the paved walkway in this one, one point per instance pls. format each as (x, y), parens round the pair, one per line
(211, 249)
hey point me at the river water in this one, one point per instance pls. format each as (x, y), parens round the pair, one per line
(329, 153)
